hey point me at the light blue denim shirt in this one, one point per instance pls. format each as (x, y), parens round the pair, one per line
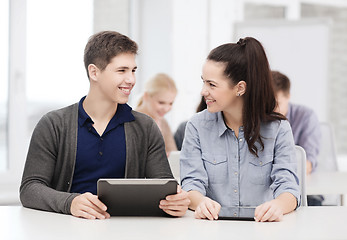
(220, 166)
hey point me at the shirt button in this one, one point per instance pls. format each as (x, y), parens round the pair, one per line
(235, 173)
(235, 191)
(235, 214)
(101, 139)
(261, 163)
(240, 139)
(100, 153)
(214, 161)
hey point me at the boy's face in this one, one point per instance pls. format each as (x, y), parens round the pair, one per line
(282, 102)
(117, 80)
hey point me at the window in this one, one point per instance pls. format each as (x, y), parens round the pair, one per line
(4, 7)
(46, 71)
(55, 43)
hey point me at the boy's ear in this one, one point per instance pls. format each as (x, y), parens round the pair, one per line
(93, 72)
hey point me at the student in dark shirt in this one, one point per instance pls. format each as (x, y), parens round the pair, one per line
(304, 123)
(101, 136)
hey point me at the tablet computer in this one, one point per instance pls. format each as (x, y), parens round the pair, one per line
(135, 197)
(237, 213)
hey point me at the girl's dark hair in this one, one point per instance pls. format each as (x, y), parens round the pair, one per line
(246, 61)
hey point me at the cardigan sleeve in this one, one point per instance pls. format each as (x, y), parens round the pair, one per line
(36, 190)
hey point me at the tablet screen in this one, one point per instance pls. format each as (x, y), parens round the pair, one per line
(135, 197)
(237, 213)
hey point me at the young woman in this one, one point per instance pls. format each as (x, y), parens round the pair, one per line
(159, 95)
(239, 152)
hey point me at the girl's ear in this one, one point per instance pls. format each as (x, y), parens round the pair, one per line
(241, 88)
(93, 72)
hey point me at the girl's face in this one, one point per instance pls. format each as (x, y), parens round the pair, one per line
(160, 103)
(217, 90)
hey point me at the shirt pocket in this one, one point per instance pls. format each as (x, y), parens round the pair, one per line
(259, 169)
(216, 167)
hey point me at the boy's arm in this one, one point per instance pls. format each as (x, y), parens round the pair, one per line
(36, 190)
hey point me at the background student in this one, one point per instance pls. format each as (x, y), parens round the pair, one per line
(304, 123)
(99, 137)
(179, 134)
(157, 100)
(239, 152)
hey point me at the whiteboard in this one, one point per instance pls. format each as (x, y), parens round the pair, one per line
(299, 49)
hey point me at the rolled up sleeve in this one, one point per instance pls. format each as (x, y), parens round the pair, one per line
(193, 174)
(284, 172)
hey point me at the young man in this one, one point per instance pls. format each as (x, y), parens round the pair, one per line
(304, 124)
(99, 137)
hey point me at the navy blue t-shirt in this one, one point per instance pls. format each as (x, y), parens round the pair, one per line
(100, 156)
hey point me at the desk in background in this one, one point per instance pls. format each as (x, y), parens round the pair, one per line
(306, 223)
(320, 183)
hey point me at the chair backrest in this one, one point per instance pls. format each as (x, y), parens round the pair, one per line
(327, 158)
(301, 171)
(174, 161)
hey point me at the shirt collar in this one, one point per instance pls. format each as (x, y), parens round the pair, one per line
(83, 117)
(222, 127)
(221, 124)
(122, 115)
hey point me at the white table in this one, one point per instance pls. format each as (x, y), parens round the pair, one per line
(306, 223)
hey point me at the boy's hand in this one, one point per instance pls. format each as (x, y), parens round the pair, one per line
(88, 206)
(177, 204)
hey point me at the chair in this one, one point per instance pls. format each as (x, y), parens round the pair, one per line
(174, 161)
(327, 159)
(301, 171)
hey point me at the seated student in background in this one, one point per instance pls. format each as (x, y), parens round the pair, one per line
(239, 152)
(159, 95)
(304, 124)
(99, 137)
(179, 134)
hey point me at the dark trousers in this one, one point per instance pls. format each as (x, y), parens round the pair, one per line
(315, 200)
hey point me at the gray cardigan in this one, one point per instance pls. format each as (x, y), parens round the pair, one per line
(50, 162)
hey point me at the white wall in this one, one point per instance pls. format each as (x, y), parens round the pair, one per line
(194, 27)
(172, 37)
